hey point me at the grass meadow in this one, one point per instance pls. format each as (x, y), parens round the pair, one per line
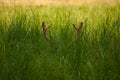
(26, 55)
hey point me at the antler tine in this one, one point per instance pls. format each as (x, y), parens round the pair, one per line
(74, 26)
(81, 25)
(79, 29)
(45, 31)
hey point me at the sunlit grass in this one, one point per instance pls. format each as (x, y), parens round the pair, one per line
(26, 55)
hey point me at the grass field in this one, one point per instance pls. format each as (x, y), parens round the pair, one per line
(26, 55)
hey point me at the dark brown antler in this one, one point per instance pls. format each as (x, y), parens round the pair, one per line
(78, 32)
(45, 31)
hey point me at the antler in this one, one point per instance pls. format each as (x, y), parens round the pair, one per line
(78, 32)
(45, 31)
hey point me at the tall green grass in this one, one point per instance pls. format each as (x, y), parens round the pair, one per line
(26, 55)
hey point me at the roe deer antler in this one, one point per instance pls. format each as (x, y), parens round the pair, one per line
(45, 28)
(78, 32)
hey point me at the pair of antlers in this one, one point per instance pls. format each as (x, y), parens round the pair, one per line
(77, 29)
